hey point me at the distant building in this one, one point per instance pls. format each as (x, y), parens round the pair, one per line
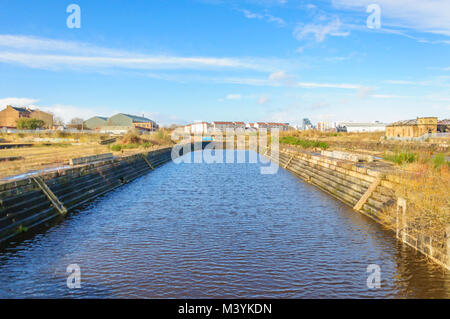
(132, 121)
(443, 126)
(306, 124)
(413, 128)
(95, 123)
(352, 127)
(10, 115)
(198, 128)
(324, 126)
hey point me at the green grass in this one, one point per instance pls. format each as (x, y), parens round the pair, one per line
(116, 148)
(401, 158)
(291, 140)
(439, 160)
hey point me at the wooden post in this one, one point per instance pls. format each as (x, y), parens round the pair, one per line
(367, 194)
(148, 162)
(50, 195)
(448, 247)
(289, 161)
(401, 204)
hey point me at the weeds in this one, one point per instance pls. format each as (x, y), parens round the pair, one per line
(400, 158)
(291, 140)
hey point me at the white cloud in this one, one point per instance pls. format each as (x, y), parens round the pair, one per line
(320, 31)
(282, 78)
(233, 97)
(422, 15)
(264, 99)
(56, 54)
(364, 92)
(68, 112)
(265, 16)
(278, 76)
(312, 85)
(17, 101)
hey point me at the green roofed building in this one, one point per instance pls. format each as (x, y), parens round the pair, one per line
(96, 122)
(132, 121)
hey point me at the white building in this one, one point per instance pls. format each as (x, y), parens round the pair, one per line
(198, 128)
(361, 127)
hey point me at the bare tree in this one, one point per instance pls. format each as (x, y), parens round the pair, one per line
(76, 121)
(58, 121)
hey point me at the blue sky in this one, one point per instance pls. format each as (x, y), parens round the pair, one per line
(254, 60)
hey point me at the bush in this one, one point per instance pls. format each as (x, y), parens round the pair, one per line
(29, 124)
(116, 148)
(130, 146)
(146, 145)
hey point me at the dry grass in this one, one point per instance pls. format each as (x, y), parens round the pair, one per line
(40, 156)
(426, 190)
(335, 136)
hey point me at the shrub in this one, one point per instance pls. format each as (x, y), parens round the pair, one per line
(130, 146)
(146, 145)
(116, 148)
(29, 124)
(131, 138)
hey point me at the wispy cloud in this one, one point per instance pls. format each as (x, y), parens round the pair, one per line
(320, 31)
(312, 85)
(264, 99)
(264, 16)
(233, 97)
(56, 54)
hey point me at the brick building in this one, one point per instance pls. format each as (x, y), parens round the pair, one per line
(412, 128)
(10, 115)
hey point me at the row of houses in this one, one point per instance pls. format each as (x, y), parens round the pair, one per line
(120, 123)
(11, 114)
(206, 127)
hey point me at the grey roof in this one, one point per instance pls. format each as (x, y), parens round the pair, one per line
(405, 122)
(444, 122)
(20, 109)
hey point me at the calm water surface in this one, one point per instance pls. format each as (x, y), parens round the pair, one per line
(210, 231)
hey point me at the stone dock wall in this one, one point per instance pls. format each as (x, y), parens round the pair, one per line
(367, 190)
(29, 202)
